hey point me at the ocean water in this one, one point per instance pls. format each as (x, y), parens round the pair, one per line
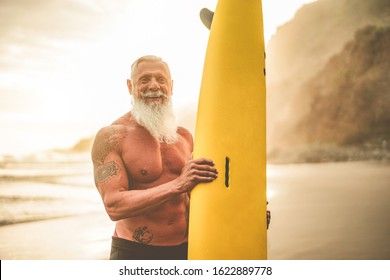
(319, 211)
(46, 187)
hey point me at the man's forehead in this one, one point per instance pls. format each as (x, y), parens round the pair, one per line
(152, 66)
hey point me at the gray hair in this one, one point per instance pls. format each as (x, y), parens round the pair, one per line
(135, 64)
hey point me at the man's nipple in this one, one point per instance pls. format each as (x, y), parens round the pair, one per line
(143, 172)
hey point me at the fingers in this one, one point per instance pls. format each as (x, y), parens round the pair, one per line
(203, 161)
(204, 166)
(206, 174)
(201, 170)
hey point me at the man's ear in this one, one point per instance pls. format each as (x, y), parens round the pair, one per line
(130, 86)
(172, 87)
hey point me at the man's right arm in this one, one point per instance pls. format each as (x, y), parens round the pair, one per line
(109, 172)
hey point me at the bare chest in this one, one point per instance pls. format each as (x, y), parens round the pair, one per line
(149, 163)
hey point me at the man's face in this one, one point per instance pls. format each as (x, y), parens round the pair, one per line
(151, 82)
(152, 106)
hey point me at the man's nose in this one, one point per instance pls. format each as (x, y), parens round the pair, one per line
(154, 85)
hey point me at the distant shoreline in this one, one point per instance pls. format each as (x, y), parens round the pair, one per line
(327, 153)
(291, 155)
(5, 223)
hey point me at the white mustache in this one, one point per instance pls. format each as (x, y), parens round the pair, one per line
(153, 94)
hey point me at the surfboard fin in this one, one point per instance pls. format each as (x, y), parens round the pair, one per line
(206, 16)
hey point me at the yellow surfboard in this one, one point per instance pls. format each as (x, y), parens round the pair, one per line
(228, 216)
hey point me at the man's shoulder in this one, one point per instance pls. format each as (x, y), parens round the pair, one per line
(120, 125)
(109, 135)
(126, 119)
(121, 128)
(185, 133)
(110, 130)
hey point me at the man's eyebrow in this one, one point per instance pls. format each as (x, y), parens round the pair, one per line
(147, 75)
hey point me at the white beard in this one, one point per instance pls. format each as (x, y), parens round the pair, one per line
(158, 118)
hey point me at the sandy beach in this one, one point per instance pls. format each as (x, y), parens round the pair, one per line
(50, 210)
(319, 211)
(330, 211)
(80, 237)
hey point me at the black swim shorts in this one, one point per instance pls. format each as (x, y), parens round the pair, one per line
(123, 249)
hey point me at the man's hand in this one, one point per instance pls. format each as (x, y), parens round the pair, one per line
(197, 171)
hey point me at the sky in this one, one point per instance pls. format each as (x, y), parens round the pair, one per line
(64, 63)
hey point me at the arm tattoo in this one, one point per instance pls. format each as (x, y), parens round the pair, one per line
(106, 141)
(106, 171)
(143, 235)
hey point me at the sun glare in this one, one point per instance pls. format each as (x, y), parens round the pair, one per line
(65, 88)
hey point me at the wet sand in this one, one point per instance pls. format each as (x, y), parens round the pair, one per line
(330, 211)
(80, 237)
